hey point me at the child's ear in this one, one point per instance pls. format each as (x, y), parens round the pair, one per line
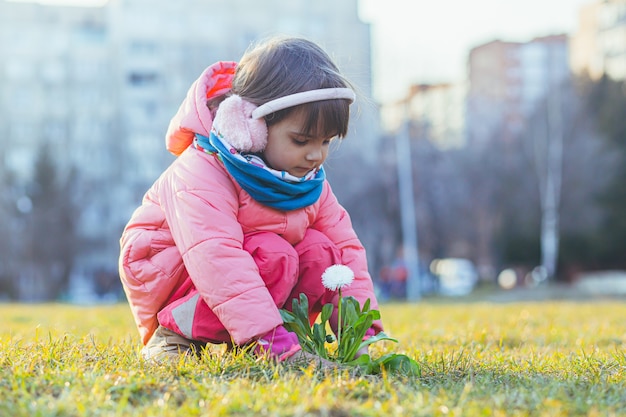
(233, 120)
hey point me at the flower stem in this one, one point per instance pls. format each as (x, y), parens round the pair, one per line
(339, 321)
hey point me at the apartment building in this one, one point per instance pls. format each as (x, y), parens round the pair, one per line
(599, 44)
(99, 85)
(506, 81)
(436, 112)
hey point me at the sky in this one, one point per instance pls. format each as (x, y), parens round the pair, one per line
(428, 41)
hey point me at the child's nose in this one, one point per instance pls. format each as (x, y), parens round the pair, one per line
(315, 154)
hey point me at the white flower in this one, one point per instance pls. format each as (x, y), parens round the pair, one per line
(337, 276)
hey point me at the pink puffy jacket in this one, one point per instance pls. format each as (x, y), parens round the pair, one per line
(192, 223)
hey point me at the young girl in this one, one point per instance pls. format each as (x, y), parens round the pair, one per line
(243, 221)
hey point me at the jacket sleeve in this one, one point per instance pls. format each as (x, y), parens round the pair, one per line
(150, 267)
(334, 221)
(202, 216)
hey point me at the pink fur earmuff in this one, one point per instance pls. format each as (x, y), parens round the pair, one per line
(234, 122)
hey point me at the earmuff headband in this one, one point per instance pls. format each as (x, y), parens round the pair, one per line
(301, 98)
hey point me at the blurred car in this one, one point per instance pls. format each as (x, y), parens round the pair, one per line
(455, 276)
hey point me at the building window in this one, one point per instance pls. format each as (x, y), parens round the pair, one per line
(142, 79)
(143, 48)
(90, 33)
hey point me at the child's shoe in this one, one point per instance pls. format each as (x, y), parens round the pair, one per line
(166, 344)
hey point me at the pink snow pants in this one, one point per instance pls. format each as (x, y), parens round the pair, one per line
(286, 270)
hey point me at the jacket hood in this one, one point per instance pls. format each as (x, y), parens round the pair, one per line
(193, 115)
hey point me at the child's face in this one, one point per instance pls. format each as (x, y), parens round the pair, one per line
(292, 150)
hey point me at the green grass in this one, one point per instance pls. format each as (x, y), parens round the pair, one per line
(478, 359)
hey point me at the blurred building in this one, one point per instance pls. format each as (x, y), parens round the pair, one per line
(436, 111)
(585, 54)
(506, 81)
(99, 84)
(55, 83)
(599, 45)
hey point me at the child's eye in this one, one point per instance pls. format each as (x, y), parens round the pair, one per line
(299, 142)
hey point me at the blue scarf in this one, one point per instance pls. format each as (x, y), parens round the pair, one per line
(261, 184)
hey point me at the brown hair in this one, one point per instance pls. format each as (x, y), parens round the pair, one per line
(281, 66)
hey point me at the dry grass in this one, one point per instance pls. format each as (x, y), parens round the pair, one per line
(478, 359)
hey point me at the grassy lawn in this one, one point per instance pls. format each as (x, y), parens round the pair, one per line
(478, 359)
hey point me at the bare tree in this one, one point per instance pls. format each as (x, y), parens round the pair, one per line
(8, 233)
(49, 238)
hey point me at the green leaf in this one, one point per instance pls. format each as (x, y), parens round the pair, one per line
(357, 306)
(348, 342)
(358, 333)
(302, 309)
(366, 306)
(349, 314)
(287, 316)
(363, 323)
(297, 321)
(356, 322)
(377, 338)
(365, 363)
(327, 311)
(319, 340)
(399, 363)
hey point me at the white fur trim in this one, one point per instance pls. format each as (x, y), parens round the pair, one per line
(301, 98)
